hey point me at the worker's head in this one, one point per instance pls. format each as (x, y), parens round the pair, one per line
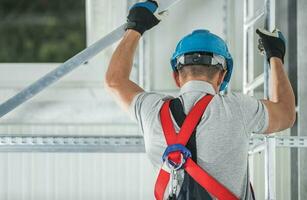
(202, 55)
(200, 66)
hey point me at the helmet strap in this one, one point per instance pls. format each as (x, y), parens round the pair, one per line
(197, 59)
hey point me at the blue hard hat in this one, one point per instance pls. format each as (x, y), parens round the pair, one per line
(204, 41)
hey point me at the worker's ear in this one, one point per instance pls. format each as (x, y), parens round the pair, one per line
(176, 78)
(222, 75)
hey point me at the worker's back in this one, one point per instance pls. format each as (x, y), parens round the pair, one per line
(222, 136)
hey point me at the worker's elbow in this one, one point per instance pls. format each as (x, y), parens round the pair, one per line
(289, 118)
(292, 118)
(112, 82)
(109, 82)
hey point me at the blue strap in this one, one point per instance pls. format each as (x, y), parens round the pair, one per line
(177, 147)
(151, 6)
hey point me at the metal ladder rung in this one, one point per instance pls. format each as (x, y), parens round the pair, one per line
(252, 20)
(259, 80)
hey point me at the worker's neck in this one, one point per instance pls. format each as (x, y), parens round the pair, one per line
(199, 78)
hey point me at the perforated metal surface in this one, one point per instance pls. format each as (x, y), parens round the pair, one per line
(124, 144)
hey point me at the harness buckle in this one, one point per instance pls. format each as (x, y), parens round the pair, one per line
(184, 153)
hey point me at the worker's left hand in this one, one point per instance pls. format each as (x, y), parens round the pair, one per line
(141, 16)
(273, 43)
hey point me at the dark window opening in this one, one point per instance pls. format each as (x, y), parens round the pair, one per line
(41, 30)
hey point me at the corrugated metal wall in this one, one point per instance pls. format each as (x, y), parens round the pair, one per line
(68, 176)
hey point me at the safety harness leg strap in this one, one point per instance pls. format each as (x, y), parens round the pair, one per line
(197, 173)
(161, 184)
(208, 182)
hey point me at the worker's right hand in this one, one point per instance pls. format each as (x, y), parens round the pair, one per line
(141, 16)
(273, 43)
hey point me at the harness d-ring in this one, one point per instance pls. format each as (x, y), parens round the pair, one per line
(174, 166)
(184, 155)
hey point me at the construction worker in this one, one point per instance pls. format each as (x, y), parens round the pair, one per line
(200, 139)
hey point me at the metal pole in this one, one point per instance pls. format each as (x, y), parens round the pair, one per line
(266, 65)
(302, 94)
(251, 58)
(266, 96)
(270, 162)
(270, 172)
(70, 65)
(245, 46)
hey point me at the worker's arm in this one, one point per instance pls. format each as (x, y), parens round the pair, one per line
(117, 77)
(141, 18)
(281, 105)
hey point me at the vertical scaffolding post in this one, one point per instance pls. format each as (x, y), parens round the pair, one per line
(270, 168)
(141, 66)
(270, 150)
(250, 83)
(302, 93)
(250, 32)
(245, 45)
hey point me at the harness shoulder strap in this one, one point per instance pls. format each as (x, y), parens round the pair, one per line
(188, 125)
(190, 189)
(176, 108)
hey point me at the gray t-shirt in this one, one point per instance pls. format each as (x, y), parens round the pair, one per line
(222, 136)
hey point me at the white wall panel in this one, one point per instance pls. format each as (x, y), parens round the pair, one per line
(50, 176)
(183, 18)
(68, 106)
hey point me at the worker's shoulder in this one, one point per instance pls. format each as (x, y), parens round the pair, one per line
(146, 104)
(234, 98)
(151, 98)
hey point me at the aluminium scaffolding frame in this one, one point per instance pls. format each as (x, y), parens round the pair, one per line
(250, 83)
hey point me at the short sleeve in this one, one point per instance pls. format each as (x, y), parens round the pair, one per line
(144, 105)
(255, 114)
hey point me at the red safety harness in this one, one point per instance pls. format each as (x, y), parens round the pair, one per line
(180, 157)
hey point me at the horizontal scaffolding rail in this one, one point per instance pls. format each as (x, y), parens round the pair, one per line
(258, 81)
(112, 144)
(118, 144)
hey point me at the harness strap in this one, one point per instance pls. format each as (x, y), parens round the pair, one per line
(208, 182)
(179, 116)
(190, 189)
(198, 174)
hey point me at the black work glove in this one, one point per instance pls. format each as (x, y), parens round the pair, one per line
(272, 43)
(141, 16)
